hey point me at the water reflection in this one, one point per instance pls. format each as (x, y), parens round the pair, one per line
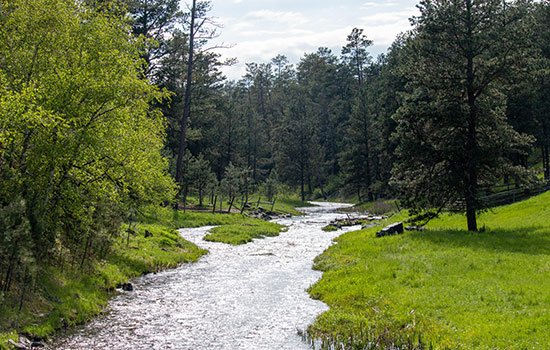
(246, 297)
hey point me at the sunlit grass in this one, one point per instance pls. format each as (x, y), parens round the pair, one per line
(243, 233)
(458, 290)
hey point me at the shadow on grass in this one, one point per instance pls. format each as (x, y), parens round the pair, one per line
(533, 240)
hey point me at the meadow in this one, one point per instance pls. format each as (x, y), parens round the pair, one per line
(444, 287)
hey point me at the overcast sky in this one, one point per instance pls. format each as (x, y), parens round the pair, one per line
(262, 29)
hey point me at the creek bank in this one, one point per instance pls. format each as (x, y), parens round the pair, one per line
(250, 296)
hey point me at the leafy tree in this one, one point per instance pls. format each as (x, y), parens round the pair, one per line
(294, 139)
(358, 155)
(231, 183)
(203, 177)
(200, 29)
(79, 144)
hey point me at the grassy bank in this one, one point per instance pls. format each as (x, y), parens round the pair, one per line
(451, 288)
(244, 232)
(68, 294)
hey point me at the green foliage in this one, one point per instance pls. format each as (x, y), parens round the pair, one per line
(243, 233)
(454, 288)
(79, 141)
(79, 151)
(270, 187)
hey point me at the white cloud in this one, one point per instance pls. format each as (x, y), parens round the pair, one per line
(262, 29)
(269, 17)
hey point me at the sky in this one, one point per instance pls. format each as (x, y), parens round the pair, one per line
(259, 30)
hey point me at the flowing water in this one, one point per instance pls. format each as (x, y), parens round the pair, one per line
(251, 296)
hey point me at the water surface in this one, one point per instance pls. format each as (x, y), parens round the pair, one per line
(251, 296)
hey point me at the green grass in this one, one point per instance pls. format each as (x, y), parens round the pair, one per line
(330, 228)
(457, 290)
(67, 295)
(243, 233)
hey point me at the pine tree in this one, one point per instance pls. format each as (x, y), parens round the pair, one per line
(452, 128)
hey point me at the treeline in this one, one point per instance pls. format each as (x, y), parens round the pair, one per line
(457, 104)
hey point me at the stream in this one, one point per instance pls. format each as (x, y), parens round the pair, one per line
(251, 296)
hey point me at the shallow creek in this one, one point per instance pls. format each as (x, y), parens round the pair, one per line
(251, 296)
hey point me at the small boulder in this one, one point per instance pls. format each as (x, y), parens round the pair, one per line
(128, 287)
(391, 230)
(415, 228)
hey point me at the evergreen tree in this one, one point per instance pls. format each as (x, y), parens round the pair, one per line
(452, 130)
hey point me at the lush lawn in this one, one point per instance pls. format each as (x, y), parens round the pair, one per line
(232, 228)
(244, 232)
(455, 289)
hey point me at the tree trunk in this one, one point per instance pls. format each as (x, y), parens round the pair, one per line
(187, 100)
(303, 196)
(24, 289)
(309, 187)
(471, 143)
(86, 247)
(322, 190)
(544, 148)
(547, 162)
(230, 204)
(185, 192)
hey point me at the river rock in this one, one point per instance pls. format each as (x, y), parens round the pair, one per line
(128, 287)
(391, 230)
